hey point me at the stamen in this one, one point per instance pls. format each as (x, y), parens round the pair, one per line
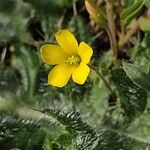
(73, 60)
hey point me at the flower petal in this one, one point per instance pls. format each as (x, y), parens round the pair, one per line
(67, 41)
(80, 73)
(85, 52)
(59, 75)
(53, 54)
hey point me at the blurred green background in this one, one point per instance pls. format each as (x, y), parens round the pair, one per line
(36, 116)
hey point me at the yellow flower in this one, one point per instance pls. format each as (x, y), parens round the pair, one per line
(70, 59)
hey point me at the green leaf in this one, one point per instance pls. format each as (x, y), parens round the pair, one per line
(144, 24)
(66, 140)
(132, 97)
(86, 137)
(147, 3)
(44, 8)
(67, 130)
(131, 12)
(80, 29)
(129, 2)
(28, 63)
(7, 6)
(8, 79)
(13, 23)
(137, 76)
(140, 128)
(18, 131)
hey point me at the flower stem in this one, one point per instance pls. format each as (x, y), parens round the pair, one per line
(101, 76)
(129, 34)
(74, 8)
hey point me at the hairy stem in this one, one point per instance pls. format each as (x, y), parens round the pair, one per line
(74, 8)
(129, 34)
(101, 76)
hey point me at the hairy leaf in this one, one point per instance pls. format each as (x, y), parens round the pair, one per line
(137, 76)
(132, 97)
(28, 63)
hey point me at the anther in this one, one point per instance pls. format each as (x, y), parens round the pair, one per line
(73, 60)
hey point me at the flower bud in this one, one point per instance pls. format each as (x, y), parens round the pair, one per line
(92, 10)
(95, 14)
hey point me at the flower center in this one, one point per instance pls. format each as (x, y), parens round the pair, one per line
(73, 60)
